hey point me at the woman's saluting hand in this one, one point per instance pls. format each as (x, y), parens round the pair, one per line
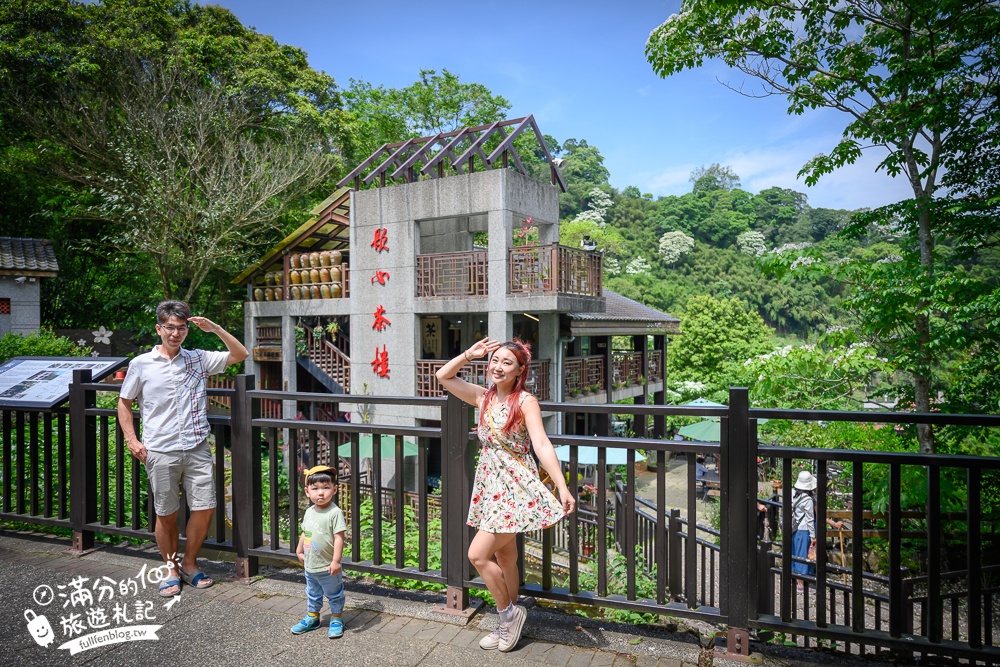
(483, 347)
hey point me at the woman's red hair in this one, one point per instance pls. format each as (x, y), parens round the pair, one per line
(515, 418)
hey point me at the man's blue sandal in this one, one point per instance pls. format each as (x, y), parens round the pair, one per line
(336, 628)
(197, 578)
(170, 583)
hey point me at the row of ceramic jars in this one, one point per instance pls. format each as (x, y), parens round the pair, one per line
(268, 294)
(315, 260)
(322, 275)
(323, 291)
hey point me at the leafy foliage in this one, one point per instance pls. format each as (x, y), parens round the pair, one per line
(42, 343)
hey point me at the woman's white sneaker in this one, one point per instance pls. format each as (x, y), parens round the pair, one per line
(510, 635)
(492, 640)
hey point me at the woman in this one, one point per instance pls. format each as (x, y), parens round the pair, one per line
(803, 521)
(507, 496)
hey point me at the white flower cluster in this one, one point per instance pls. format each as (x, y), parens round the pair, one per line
(791, 246)
(803, 261)
(637, 266)
(611, 266)
(674, 245)
(600, 202)
(751, 243)
(889, 259)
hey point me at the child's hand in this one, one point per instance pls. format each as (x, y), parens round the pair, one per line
(335, 567)
(302, 558)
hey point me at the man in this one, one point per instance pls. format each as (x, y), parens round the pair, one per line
(169, 383)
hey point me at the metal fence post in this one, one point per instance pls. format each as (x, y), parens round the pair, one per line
(738, 546)
(455, 489)
(765, 579)
(82, 461)
(247, 510)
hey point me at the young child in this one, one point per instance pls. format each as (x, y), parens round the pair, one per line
(321, 546)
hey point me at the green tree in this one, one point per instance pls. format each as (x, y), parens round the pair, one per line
(433, 104)
(715, 333)
(105, 160)
(915, 80)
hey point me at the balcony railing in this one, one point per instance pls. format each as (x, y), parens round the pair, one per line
(475, 372)
(453, 274)
(551, 269)
(584, 375)
(554, 269)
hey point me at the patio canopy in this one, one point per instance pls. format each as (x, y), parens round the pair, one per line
(388, 447)
(587, 455)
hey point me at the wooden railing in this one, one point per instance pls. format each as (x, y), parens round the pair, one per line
(49, 479)
(475, 372)
(583, 375)
(554, 269)
(328, 358)
(453, 274)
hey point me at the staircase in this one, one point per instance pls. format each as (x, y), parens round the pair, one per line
(326, 362)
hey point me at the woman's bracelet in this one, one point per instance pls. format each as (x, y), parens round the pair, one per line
(466, 355)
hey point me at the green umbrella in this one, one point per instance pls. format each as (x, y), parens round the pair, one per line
(706, 430)
(388, 447)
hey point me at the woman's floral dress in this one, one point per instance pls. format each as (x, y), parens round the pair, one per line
(507, 496)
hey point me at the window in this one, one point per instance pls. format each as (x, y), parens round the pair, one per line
(4, 306)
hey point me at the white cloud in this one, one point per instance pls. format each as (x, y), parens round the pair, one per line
(644, 91)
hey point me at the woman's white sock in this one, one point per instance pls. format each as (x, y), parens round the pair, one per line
(507, 615)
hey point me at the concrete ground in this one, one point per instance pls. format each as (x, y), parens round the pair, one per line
(237, 622)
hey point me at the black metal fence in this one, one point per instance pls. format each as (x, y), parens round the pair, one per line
(70, 468)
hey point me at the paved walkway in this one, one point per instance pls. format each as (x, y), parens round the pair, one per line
(237, 622)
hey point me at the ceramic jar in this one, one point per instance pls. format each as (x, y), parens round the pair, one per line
(293, 262)
(335, 274)
(324, 275)
(295, 292)
(279, 294)
(314, 292)
(335, 291)
(268, 294)
(295, 277)
(335, 258)
(324, 258)
(314, 275)
(314, 260)
(258, 294)
(324, 291)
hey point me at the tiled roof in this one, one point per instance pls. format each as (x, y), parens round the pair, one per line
(27, 255)
(619, 308)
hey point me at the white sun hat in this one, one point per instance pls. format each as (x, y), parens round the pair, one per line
(806, 481)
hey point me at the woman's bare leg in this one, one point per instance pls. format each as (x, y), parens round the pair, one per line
(506, 558)
(483, 556)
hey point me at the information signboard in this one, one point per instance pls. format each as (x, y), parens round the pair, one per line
(43, 382)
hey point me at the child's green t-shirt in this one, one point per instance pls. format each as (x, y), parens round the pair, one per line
(318, 528)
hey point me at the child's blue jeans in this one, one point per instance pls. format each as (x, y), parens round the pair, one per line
(319, 584)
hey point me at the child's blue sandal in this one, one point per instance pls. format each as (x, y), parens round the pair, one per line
(336, 628)
(305, 625)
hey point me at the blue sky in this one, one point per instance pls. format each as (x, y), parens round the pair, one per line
(580, 68)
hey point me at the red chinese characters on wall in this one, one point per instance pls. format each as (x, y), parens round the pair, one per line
(381, 322)
(380, 364)
(381, 242)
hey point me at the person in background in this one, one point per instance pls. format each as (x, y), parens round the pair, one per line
(507, 495)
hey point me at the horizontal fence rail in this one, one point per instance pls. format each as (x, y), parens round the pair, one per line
(936, 595)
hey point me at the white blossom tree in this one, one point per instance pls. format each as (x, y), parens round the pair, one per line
(751, 243)
(674, 245)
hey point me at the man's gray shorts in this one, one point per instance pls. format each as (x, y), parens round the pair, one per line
(193, 468)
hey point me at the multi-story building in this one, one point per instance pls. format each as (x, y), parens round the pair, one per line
(383, 285)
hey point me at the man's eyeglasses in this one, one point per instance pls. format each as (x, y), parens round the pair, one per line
(171, 329)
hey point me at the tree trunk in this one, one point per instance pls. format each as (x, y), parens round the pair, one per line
(922, 327)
